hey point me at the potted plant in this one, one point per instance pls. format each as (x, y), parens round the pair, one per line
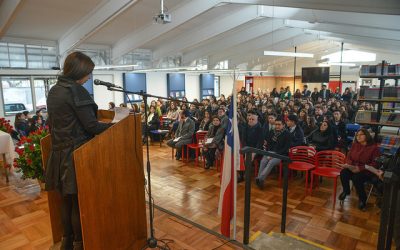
(5, 125)
(29, 161)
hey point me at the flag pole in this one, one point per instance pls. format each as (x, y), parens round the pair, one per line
(234, 121)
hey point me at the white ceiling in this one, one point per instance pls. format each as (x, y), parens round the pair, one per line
(234, 30)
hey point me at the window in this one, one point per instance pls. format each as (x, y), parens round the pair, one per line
(42, 87)
(13, 55)
(17, 94)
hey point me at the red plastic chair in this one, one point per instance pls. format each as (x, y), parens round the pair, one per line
(328, 164)
(200, 135)
(303, 159)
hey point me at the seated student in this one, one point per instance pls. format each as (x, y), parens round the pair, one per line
(36, 123)
(206, 122)
(323, 138)
(251, 136)
(153, 122)
(309, 127)
(295, 131)
(269, 126)
(278, 142)
(216, 134)
(184, 133)
(21, 124)
(340, 128)
(363, 152)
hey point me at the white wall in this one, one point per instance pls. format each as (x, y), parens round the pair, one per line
(156, 84)
(192, 86)
(102, 96)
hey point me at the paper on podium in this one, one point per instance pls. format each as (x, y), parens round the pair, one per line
(120, 113)
(177, 139)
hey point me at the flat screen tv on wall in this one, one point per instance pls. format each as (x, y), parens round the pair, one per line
(315, 74)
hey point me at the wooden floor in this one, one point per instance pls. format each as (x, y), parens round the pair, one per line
(192, 192)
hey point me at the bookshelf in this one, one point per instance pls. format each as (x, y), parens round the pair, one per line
(387, 99)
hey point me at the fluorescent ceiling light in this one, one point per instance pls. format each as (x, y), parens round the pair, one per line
(351, 56)
(342, 64)
(115, 66)
(290, 54)
(326, 64)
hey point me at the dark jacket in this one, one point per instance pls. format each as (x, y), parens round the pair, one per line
(218, 135)
(253, 136)
(327, 94)
(72, 118)
(322, 141)
(296, 137)
(280, 144)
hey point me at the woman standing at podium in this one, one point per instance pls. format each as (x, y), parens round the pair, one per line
(72, 121)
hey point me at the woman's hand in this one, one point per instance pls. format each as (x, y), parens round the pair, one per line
(380, 173)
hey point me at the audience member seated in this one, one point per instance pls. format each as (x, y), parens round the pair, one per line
(269, 126)
(251, 137)
(223, 117)
(153, 123)
(277, 142)
(111, 106)
(296, 132)
(362, 152)
(184, 133)
(36, 123)
(205, 123)
(323, 138)
(213, 141)
(173, 112)
(21, 124)
(340, 127)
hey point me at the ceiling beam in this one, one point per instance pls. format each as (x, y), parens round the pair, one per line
(333, 17)
(388, 7)
(91, 23)
(233, 38)
(207, 30)
(380, 33)
(283, 45)
(8, 12)
(180, 15)
(242, 51)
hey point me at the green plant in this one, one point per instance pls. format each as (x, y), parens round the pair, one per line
(29, 161)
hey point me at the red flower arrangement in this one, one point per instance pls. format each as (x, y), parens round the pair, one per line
(29, 160)
(5, 125)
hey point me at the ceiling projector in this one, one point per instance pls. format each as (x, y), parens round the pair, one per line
(162, 18)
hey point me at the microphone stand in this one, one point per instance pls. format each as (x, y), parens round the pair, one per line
(152, 241)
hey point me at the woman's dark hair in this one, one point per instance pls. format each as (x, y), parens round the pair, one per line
(77, 65)
(367, 134)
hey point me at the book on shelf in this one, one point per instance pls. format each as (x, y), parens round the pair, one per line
(388, 105)
(394, 119)
(384, 117)
(366, 116)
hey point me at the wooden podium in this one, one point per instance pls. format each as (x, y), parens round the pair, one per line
(110, 178)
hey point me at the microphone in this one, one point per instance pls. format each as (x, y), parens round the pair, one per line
(107, 84)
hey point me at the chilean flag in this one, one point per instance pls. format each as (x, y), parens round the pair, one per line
(227, 197)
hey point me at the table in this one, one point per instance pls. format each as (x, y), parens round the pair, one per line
(6, 150)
